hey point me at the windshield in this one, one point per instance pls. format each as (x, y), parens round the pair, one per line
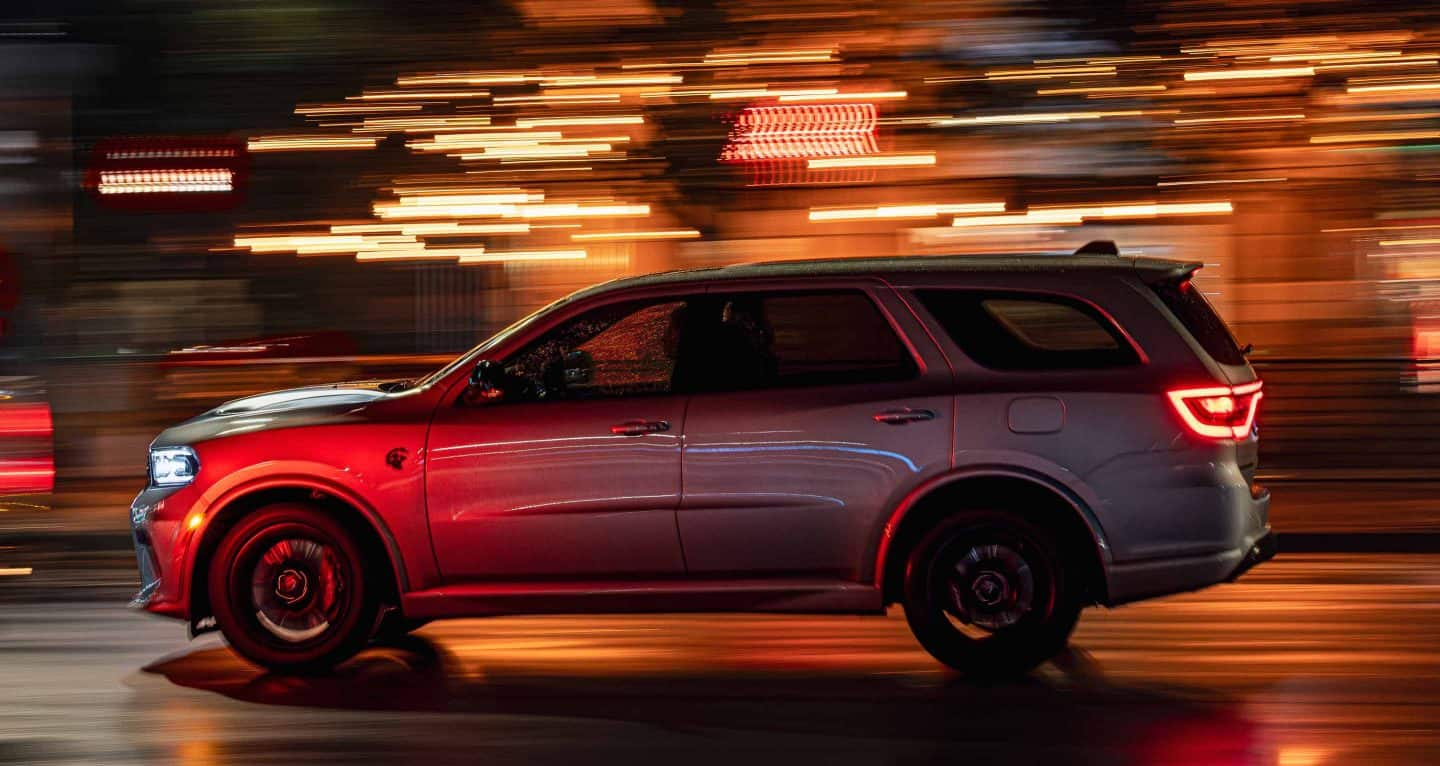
(472, 356)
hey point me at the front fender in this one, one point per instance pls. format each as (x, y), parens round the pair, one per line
(282, 474)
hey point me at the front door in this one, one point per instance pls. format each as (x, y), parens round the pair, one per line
(573, 467)
(811, 420)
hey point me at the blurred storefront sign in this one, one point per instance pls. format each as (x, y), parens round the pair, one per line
(154, 174)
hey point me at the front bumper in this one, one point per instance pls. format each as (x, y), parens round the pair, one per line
(157, 542)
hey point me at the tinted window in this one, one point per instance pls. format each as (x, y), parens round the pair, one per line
(1199, 317)
(1026, 331)
(760, 340)
(623, 350)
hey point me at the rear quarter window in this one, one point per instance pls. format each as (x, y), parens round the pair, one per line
(1028, 331)
(1189, 305)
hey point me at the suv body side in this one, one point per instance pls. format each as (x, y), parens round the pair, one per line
(1167, 511)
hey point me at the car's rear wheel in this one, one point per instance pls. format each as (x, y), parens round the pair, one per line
(987, 594)
(289, 591)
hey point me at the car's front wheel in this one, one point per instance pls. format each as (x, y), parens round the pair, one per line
(987, 594)
(289, 591)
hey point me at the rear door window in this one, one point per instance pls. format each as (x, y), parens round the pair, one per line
(768, 340)
(1028, 331)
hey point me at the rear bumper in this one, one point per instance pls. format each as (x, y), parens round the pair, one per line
(1262, 551)
(1148, 578)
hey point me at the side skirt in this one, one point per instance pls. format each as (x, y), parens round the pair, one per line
(632, 596)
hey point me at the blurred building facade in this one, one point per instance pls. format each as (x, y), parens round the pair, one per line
(417, 177)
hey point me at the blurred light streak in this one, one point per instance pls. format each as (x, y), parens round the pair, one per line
(524, 255)
(1239, 118)
(16, 571)
(310, 143)
(1053, 215)
(1429, 85)
(1223, 181)
(1408, 242)
(1103, 60)
(1045, 73)
(25, 420)
(410, 95)
(321, 109)
(1020, 119)
(1015, 219)
(871, 161)
(881, 95)
(415, 254)
(577, 98)
(780, 56)
(1102, 89)
(752, 93)
(166, 181)
(1138, 209)
(903, 211)
(423, 197)
(466, 78)
(802, 131)
(1355, 138)
(1250, 74)
(620, 236)
(537, 150)
(437, 229)
(602, 80)
(423, 124)
(27, 474)
(1377, 117)
(149, 154)
(578, 120)
(420, 208)
(317, 243)
(1382, 228)
(1334, 56)
(1417, 61)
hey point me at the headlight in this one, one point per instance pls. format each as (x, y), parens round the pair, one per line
(173, 466)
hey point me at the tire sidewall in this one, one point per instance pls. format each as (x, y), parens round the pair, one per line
(231, 569)
(1038, 636)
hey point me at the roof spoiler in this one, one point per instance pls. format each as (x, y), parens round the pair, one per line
(1098, 247)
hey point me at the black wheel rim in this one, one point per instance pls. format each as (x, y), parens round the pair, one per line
(297, 590)
(990, 584)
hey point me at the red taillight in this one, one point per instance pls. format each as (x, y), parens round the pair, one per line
(1218, 412)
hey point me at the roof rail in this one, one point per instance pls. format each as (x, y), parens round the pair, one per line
(1098, 247)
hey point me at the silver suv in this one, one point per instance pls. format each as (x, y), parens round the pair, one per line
(993, 443)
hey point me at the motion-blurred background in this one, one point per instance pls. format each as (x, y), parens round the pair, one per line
(208, 198)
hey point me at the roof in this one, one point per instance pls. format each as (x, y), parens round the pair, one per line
(1149, 269)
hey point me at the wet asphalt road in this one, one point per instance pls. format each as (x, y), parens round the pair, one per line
(1321, 659)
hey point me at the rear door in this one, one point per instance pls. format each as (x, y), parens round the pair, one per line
(813, 415)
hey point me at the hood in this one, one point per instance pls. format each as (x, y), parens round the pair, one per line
(310, 405)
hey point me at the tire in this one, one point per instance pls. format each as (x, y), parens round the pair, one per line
(986, 593)
(395, 626)
(289, 590)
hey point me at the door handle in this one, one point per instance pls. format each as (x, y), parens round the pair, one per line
(901, 417)
(640, 427)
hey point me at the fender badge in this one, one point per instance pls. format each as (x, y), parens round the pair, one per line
(395, 458)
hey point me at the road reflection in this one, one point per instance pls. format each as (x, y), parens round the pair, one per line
(1069, 711)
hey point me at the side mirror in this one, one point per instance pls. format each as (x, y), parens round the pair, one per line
(487, 381)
